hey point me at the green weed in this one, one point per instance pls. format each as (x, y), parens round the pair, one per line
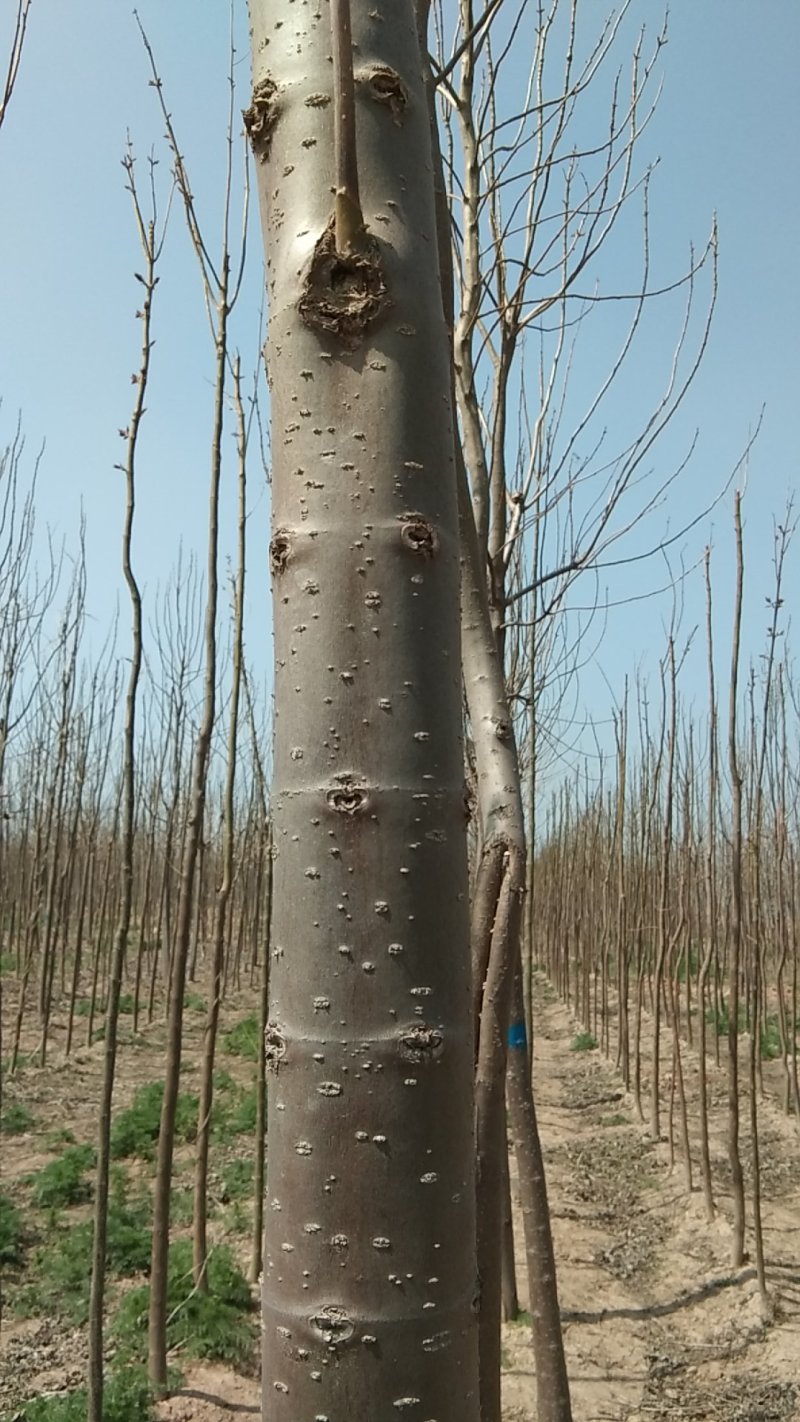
(243, 1117)
(770, 1038)
(617, 1119)
(243, 1039)
(127, 1397)
(182, 1207)
(8, 964)
(16, 1119)
(55, 1139)
(769, 1033)
(237, 1179)
(135, 1131)
(24, 1059)
(238, 1218)
(214, 1325)
(234, 1115)
(194, 1002)
(63, 1181)
(83, 1007)
(10, 1233)
(694, 964)
(58, 1278)
(583, 1042)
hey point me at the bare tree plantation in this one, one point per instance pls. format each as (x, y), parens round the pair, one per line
(383, 1034)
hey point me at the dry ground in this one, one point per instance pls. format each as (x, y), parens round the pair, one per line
(657, 1325)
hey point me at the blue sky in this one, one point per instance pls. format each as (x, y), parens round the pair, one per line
(725, 133)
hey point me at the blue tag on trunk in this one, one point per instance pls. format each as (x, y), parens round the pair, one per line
(517, 1036)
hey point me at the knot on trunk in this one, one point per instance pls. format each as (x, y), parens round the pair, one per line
(348, 797)
(260, 118)
(419, 535)
(421, 1043)
(344, 292)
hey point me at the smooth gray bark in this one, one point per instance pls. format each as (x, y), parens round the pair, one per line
(369, 1261)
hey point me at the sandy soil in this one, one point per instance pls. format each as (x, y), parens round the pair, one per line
(657, 1324)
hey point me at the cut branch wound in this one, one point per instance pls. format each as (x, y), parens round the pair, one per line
(385, 86)
(421, 1043)
(261, 116)
(419, 535)
(274, 1046)
(333, 1325)
(280, 551)
(344, 293)
(347, 797)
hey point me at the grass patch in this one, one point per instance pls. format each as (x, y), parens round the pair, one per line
(617, 1119)
(135, 1131)
(127, 1397)
(583, 1042)
(522, 1320)
(694, 965)
(242, 1039)
(8, 964)
(54, 1140)
(769, 1033)
(238, 1177)
(24, 1059)
(243, 1116)
(16, 1119)
(770, 1038)
(239, 1217)
(63, 1181)
(182, 1206)
(234, 1116)
(216, 1325)
(223, 1081)
(58, 1278)
(194, 1002)
(10, 1233)
(83, 1007)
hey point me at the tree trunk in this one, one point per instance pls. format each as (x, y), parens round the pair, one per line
(369, 1267)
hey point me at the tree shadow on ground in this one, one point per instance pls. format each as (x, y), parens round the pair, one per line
(660, 1310)
(244, 1409)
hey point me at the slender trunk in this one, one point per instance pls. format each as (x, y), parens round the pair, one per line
(552, 1382)
(206, 1094)
(736, 913)
(97, 1290)
(508, 1262)
(260, 1138)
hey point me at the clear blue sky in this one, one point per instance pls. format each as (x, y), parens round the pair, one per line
(726, 135)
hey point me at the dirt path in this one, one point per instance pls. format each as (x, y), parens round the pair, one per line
(657, 1326)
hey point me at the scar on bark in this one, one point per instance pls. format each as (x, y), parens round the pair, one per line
(418, 534)
(421, 1043)
(333, 1325)
(347, 797)
(344, 293)
(274, 1046)
(385, 86)
(280, 551)
(261, 116)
